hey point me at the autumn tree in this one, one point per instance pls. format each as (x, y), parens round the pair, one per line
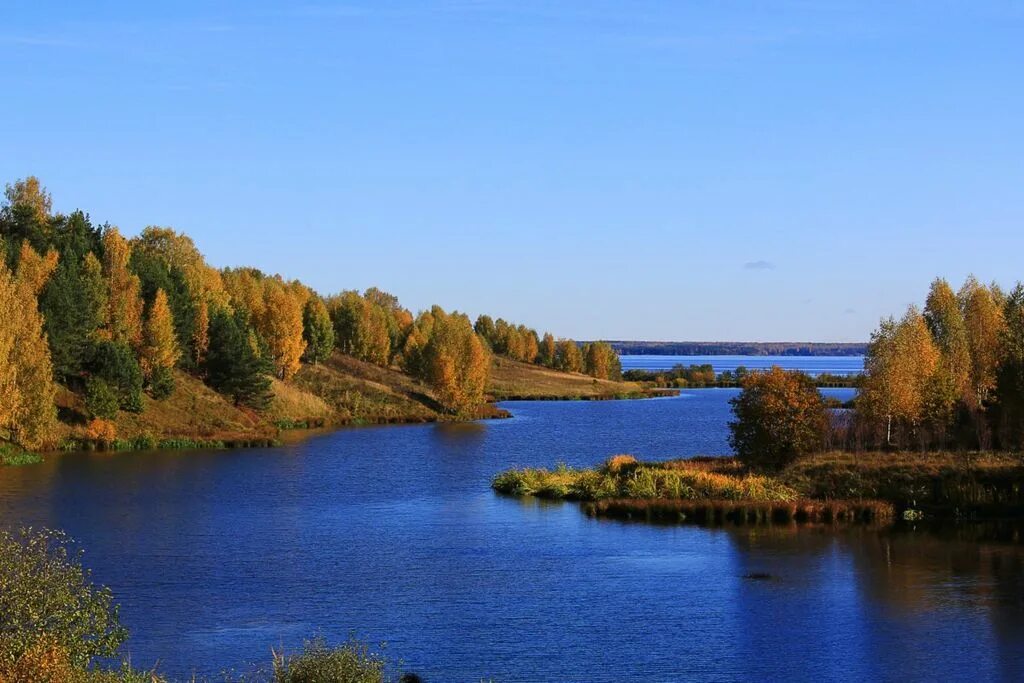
(281, 326)
(160, 351)
(568, 357)
(415, 344)
(34, 269)
(983, 319)
(360, 328)
(25, 216)
(124, 298)
(547, 352)
(456, 363)
(200, 332)
(779, 416)
(951, 381)
(317, 330)
(900, 365)
(484, 326)
(601, 361)
(179, 252)
(530, 344)
(27, 391)
(1010, 375)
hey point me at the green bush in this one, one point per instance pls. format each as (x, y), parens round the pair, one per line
(46, 595)
(317, 663)
(100, 399)
(161, 384)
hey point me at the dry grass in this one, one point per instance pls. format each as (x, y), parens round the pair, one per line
(512, 379)
(359, 392)
(292, 404)
(193, 411)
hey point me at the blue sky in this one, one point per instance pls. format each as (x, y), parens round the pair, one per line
(647, 170)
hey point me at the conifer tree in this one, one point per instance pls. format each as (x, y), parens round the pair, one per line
(233, 367)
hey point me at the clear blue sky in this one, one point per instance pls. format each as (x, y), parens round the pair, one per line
(647, 170)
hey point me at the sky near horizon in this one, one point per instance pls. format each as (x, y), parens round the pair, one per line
(627, 170)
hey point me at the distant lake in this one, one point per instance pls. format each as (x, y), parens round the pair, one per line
(814, 365)
(394, 533)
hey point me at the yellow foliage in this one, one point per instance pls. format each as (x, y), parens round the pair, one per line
(44, 662)
(201, 332)
(101, 430)
(203, 282)
(124, 302)
(455, 362)
(35, 270)
(161, 344)
(27, 391)
(281, 326)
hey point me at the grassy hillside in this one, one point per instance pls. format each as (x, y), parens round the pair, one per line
(511, 379)
(340, 391)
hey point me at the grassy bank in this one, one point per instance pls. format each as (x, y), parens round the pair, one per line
(983, 485)
(827, 487)
(339, 392)
(512, 380)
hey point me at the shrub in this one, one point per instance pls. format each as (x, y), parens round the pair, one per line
(317, 663)
(100, 399)
(161, 383)
(101, 431)
(46, 597)
(780, 415)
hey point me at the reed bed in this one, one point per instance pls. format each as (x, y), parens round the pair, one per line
(622, 476)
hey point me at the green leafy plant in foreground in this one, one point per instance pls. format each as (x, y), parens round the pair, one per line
(47, 596)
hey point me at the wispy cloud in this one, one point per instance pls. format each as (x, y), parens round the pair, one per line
(39, 41)
(759, 265)
(850, 311)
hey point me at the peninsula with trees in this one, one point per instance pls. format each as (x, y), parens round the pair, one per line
(115, 342)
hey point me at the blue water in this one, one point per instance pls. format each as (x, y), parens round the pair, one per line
(394, 533)
(814, 365)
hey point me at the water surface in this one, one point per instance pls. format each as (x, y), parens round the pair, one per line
(393, 532)
(814, 365)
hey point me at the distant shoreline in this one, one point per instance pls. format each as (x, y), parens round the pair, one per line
(665, 348)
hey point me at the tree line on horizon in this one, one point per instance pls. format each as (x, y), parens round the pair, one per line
(113, 318)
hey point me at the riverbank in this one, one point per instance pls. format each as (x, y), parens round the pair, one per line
(514, 381)
(341, 391)
(823, 488)
(338, 392)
